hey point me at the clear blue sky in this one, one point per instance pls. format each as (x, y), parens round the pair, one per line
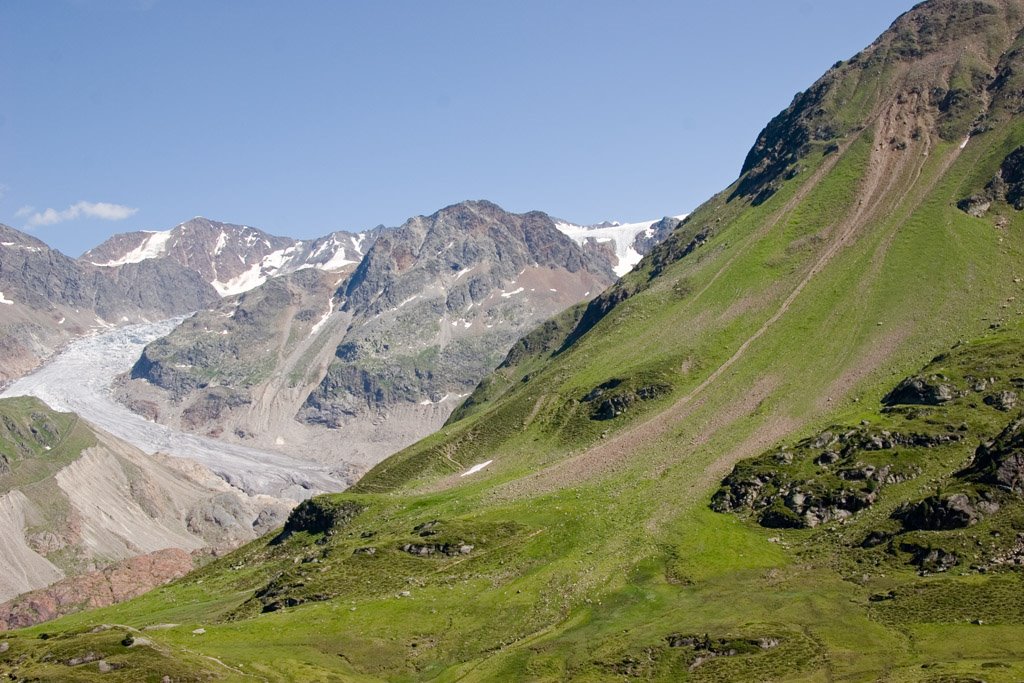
(306, 117)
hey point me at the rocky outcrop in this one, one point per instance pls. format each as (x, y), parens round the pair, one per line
(119, 582)
(928, 391)
(775, 487)
(613, 398)
(319, 515)
(1000, 462)
(1002, 400)
(1006, 186)
(447, 549)
(955, 511)
(930, 559)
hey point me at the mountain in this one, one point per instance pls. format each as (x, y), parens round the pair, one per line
(786, 446)
(76, 500)
(49, 298)
(231, 258)
(326, 366)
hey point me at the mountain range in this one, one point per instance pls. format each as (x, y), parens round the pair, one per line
(353, 364)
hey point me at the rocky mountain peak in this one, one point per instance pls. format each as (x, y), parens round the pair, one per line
(945, 68)
(475, 246)
(232, 258)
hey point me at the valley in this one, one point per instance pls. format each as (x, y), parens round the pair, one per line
(777, 438)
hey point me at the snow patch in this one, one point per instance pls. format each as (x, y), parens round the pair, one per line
(4, 300)
(153, 246)
(338, 261)
(272, 264)
(222, 241)
(247, 280)
(320, 323)
(505, 295)
(476, 468)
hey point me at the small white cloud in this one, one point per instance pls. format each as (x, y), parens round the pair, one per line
(102, 210)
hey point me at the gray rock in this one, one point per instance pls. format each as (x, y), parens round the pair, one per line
(920, 391)
(1003, 400)
(955, 511)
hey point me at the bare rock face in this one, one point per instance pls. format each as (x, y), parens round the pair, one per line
(954, 511)
(437, 303)
(119, 582)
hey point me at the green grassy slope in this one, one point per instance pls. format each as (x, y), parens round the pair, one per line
(793, 301)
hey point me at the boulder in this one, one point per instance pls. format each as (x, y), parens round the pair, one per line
(1003, 400)
(1001, 461)
(938, 513)
(976, 205)
(920, 391)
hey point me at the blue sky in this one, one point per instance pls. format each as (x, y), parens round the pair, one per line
(306, 117)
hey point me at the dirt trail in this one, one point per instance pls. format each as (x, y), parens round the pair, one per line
(887, 164)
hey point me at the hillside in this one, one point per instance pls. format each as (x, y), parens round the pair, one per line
(785, 447)
(76, 500)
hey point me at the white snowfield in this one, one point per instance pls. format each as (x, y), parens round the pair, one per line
(5, 300)
(152, 247)
(79, 379)
(622, 234)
